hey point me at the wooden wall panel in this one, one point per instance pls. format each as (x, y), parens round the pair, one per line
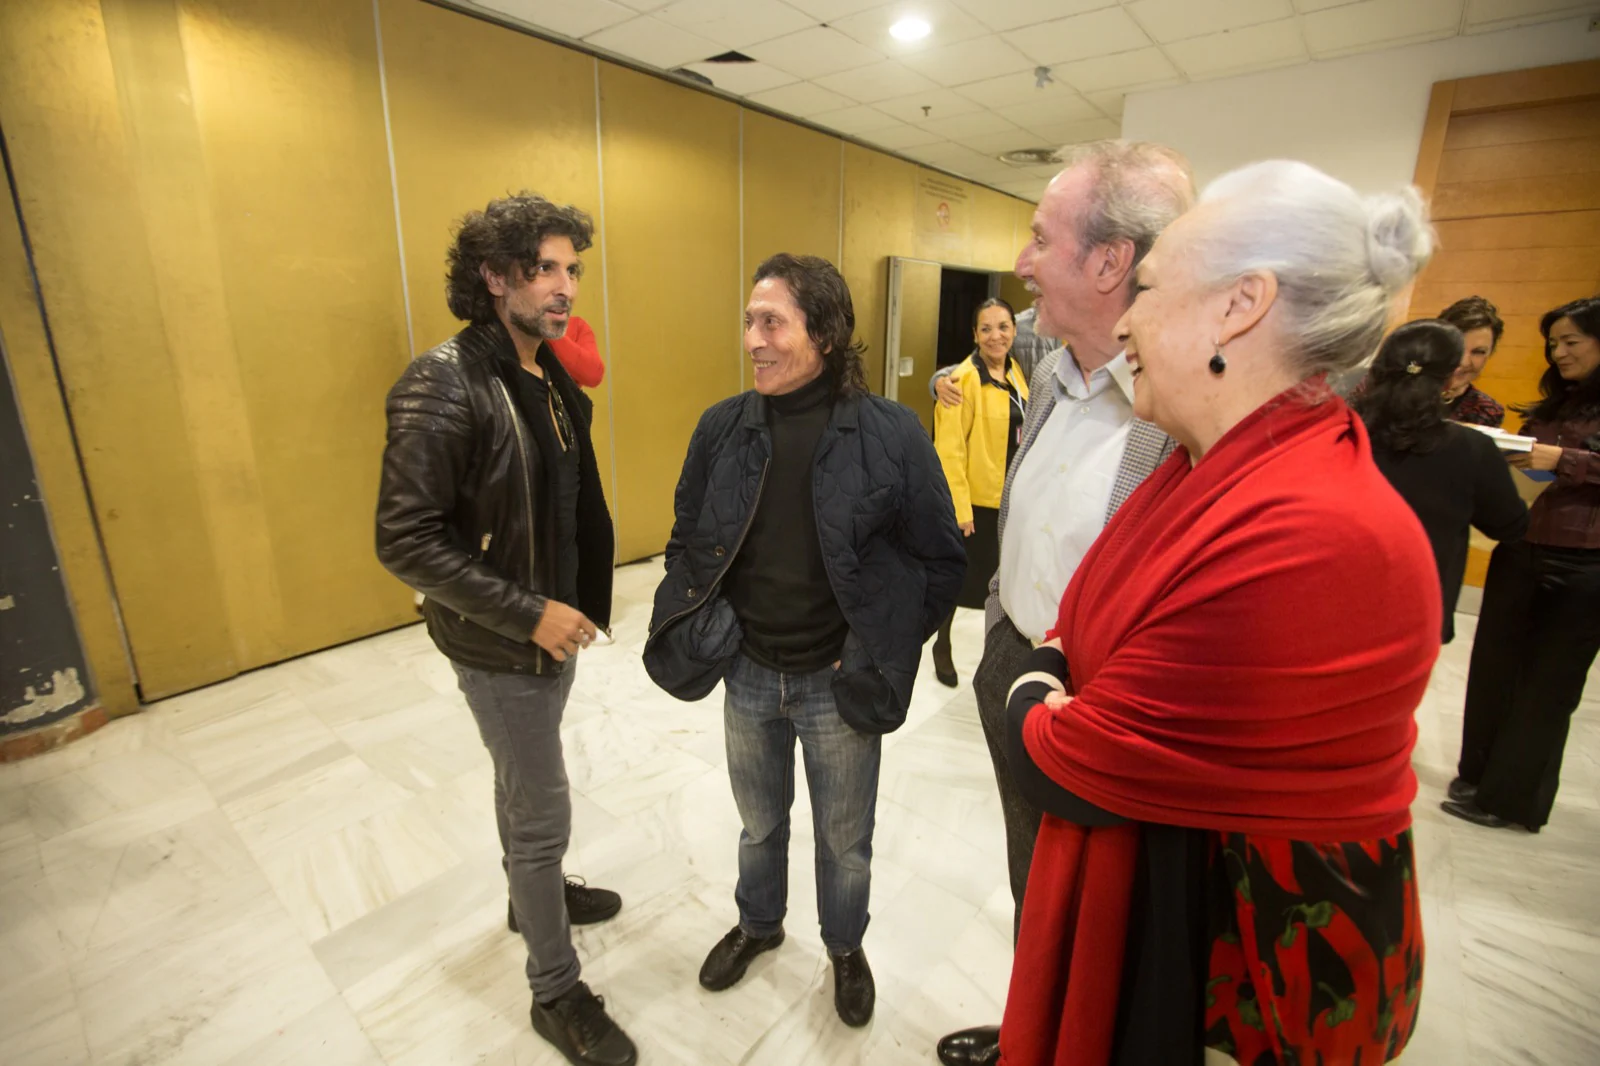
(460, 141)
(671, 159)
(792, 177)
(77, 176)
(879, 201)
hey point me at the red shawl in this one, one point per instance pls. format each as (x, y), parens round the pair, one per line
(1248, 641)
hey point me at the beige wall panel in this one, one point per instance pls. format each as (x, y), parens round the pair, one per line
(288, 104)
(461, 138)
(78, 183)
(671, 158)
(879, 200)
(994, 240)
(791, 190)
(60, 478)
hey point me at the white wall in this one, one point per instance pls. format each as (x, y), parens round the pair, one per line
(1359, 118)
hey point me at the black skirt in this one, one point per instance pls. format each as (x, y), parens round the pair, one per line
(983, 557)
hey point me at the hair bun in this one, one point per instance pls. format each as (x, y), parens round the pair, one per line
(1399, 239)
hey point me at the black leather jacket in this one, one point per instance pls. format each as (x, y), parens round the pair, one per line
(460, 506)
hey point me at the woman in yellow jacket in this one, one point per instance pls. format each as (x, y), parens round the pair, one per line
(975, 442)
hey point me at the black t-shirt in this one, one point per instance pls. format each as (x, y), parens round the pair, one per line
(1462, 483)
(557, 445)
(778, 584)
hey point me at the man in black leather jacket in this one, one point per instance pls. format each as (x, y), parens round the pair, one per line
(491, 506)
(815, 550)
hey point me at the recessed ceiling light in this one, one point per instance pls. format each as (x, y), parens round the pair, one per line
(910, 28)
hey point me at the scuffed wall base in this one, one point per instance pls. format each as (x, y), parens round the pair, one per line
(54, 735)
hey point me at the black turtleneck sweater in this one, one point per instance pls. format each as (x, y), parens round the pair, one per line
(778, 585)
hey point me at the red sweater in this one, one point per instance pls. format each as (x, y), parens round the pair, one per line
(580, 353)
(1248, 641)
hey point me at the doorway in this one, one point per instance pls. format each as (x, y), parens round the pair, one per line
(929, 325)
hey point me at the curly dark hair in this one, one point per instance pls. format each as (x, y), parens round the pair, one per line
(1404, 407)
(507, 233)
(1561, 398)
(1474, 312)
(824, 298)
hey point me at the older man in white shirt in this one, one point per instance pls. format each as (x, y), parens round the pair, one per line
(1082, 451)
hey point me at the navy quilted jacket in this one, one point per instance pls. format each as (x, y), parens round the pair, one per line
(894, 554)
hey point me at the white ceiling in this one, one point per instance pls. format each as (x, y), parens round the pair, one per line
(965, 93)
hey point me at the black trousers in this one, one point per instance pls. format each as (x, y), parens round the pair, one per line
(1005, 650)
(1538, 632)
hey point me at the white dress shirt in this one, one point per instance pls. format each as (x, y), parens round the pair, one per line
(1060, 492)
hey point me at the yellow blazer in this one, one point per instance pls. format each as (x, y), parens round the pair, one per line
(971, 439)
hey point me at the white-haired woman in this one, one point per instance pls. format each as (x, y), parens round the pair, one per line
(1221, 730)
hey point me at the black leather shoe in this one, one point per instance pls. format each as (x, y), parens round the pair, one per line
(1471, 812)
(732, 957)
(578, 1026)
(971, 1047)
(586, 906)
(944, 668)
(854, 994)
(1462, 792)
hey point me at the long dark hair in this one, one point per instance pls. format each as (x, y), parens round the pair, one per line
(1403, 401)
(1562, 398)
(503, 236)
(824, 298)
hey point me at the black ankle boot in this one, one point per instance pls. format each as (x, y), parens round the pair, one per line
(732, 957)
(943, 667)
(854, 994)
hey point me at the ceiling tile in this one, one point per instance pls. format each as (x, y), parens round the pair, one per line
(1079, 37)
(901, 136)
(957, 127)
(1131, 70)
(559, 16)
(1077, 132)
(802, 98)
(742, 78)
(735, 23)
(1018, 88)
(957, 64)
(1176, 20)
(1109, 103)
(646, 5)
(1028, 188)
(1003, 140)
(860, 119)
(927, 153)
(1247, 48)
(1374, 22)
(877, 81)
(652, 41)
(1321, 5)
(949, 25)
(948, 154)
(1063, 106)
(940, 102)
(1480, 13)
(827, 10)
(814, 52)
(1010, 14)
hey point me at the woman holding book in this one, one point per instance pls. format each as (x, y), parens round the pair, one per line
(1453, 477)
(1539, 629)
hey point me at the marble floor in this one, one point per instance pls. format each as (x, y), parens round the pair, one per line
(300, 866)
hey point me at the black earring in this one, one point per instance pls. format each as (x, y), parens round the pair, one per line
(1218, 363)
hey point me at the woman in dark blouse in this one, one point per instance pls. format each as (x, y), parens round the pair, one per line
(1453, 477)
(1539, 629)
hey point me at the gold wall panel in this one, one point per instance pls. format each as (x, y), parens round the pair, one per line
(994, 240)
(462, 138)
(671, 159)
(288, 105)
(879, 198)
(76, 168)
(60, 478)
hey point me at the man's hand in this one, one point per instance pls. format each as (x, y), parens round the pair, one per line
(563, 631)
(949, 391)
(1543, 457)
(968, 528)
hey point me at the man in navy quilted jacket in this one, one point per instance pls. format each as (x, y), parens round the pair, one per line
(815, 549)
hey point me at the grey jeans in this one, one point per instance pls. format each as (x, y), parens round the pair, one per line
(519, 718)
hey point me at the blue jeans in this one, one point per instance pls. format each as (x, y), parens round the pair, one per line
(519, 718)
(763, 713)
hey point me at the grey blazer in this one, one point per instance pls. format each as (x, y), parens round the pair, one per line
(1147, 448)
